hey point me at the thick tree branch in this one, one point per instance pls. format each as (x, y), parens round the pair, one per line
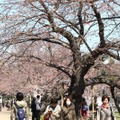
(115, 56)
(101, 26)
(110, 80)
(57, 29)
(112, 89)
(80, 19)
(33, 39)
(61, 68)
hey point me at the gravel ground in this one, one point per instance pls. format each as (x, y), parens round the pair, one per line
(5, 114)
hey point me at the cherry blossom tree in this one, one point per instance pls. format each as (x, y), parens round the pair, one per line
(68, 36)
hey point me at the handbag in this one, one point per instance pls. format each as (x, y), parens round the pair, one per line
(47, 115)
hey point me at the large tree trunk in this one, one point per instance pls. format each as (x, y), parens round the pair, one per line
(113, 95)
(76, 91)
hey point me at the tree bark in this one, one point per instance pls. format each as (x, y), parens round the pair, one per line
(76, 90)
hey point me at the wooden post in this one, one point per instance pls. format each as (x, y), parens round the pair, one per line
(62, 98)
(92, 102)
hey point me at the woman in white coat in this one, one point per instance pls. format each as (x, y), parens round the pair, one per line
(53, 110)
(105, 112)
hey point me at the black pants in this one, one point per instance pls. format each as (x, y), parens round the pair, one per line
(36, 115)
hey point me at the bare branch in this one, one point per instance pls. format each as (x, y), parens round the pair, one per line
(80, 19)
(110, 80)
(61, 68)
(101, 26)
(117, 57)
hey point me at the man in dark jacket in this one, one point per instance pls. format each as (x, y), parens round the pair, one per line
(35, 106)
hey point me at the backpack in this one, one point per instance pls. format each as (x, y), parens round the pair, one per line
(20, 113)
(84, 110)
(48, 114)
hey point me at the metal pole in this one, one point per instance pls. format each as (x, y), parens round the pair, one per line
(92, 102)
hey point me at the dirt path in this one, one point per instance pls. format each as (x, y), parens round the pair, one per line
(4, 114)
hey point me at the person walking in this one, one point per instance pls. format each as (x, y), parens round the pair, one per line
(105, 112)
(20, 109)
(68, 110)
(53, 110)
(33, 108)
(84, 111)
(36, 107)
